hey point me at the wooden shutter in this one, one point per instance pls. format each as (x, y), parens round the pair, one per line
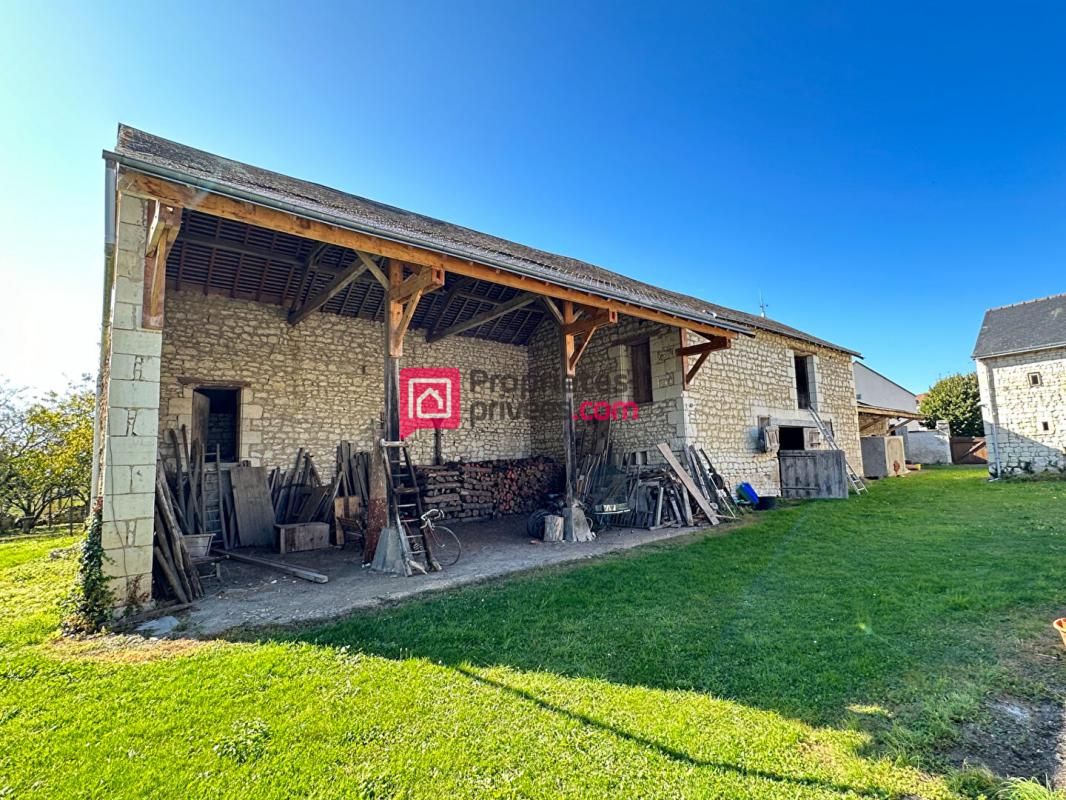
(640, 371)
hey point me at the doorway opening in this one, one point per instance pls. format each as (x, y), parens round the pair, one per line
(792, 438)
(216, 422)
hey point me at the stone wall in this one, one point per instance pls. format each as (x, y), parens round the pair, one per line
(604, 375)
(321, 381)
(1031, 434)
(131, 409)
(754, 378)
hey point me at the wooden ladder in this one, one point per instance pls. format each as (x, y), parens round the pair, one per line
(856, 481)
(405, 499)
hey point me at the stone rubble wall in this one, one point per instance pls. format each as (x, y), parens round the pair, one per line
(1023, 444)
(321, 381)
(754, 378)
(720, 412)
(603, 375)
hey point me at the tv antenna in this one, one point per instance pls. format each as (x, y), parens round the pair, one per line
(762, 305)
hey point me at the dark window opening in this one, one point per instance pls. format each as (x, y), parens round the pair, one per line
(216, 420)
(803, 382)
(1046, 426)
(640, 371)
(792, 438)
(1034, 378)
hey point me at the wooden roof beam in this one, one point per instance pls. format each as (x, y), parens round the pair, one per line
(141, 184)
(506, 307)
(312, 304)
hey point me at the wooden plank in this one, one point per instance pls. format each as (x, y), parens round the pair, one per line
(251, 502)
(296, 572)
(140, 184)
(686, 481)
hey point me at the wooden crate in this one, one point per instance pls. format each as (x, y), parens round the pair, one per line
(292, 537)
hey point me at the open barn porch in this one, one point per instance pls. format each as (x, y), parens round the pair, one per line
(240, 334)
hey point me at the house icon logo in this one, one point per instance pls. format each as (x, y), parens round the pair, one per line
(429, 398)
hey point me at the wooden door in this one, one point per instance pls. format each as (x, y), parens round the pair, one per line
(201, 413)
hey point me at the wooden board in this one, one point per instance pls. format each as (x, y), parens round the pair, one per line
(296, 536)
(252, 507)
(813, 473)
(686, 481)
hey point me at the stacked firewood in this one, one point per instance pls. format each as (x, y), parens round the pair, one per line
(487, 489)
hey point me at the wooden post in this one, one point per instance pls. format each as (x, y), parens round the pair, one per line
(569, 367)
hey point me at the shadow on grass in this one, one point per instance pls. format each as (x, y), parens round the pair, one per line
(905, 599)
(664, 750)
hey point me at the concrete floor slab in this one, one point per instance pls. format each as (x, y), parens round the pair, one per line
(251, 596)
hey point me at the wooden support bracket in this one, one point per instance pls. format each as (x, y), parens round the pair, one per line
(703, 349)
(585, 327)
(164, 223)
(402, 304)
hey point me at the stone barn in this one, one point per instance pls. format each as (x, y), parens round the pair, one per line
(279, 313)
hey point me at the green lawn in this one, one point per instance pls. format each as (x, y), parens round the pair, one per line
(829, 650)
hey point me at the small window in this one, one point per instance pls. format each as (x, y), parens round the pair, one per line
(1034, 379)
(640, 371)
(1045, 426)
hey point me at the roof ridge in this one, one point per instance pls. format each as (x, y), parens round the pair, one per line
(1027, 302)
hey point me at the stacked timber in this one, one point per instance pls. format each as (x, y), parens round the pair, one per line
(487, 489)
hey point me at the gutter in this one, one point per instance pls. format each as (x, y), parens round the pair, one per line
(243, 195)
(110, 231)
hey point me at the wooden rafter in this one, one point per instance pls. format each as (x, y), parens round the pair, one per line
(163, 226)
(140, 184)
(553, 309)
(451, 294)
(506, 307)
(339, 282)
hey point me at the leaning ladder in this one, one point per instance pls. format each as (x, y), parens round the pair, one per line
(856, 481)
(406, 502)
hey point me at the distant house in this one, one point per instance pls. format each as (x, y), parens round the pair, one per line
(878, 398)
(1021, 370)
(886, 408)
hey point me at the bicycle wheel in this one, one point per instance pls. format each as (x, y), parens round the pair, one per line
(446, 546)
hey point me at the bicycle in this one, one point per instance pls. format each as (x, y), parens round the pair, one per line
(443, 542)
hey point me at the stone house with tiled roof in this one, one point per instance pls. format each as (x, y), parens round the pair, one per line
(1021, 370)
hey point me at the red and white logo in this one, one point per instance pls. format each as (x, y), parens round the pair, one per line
(429, 398)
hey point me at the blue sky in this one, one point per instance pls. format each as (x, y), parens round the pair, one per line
(881, 172)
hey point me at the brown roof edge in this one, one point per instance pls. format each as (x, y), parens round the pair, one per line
(170, 160)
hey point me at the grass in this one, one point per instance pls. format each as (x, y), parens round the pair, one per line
(829, 650)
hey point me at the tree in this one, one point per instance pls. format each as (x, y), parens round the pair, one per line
(45, 449)
(956, 399)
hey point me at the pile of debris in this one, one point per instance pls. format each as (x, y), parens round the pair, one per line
(488, 489)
